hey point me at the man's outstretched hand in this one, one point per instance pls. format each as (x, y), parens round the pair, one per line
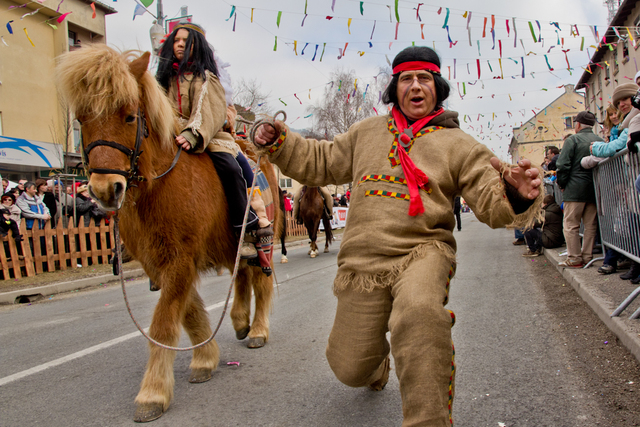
(523, 177)
(267, 134)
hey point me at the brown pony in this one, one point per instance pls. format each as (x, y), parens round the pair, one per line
(177, 226)
(311, 212)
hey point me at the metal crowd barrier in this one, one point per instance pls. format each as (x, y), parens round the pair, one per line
(619, 210)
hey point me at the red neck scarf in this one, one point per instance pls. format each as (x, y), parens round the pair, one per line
(416, 179)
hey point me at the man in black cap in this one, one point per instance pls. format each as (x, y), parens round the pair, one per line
(397, 255)
(579, 195)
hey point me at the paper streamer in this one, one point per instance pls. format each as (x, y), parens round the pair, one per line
(547, 59)
(59, 4)
(9, 27)
(233, 11)
(296, 96)
(93, 6)
(30, 41)
(30, 13)
(451, 43)
(333, 4)
(275, 46)
(446, 18)
(322, 54)
(5, 43)
(278, 18)
(280, 99)
(417, 16)
(397, 25)
(361, 12)
(515, 33)
(139, 10)
(422, 31)
(396, 9)
(522, 59)
(313, 59)
(484, 28)
(374, 28)
(478, 65)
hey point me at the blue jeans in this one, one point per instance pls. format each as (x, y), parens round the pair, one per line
(519, 234)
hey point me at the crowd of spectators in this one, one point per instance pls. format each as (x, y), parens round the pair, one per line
(41, 201)
(571, 169)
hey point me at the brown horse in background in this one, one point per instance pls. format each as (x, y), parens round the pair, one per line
(311, 212)
(177, 226)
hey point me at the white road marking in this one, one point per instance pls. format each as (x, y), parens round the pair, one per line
(85, 352)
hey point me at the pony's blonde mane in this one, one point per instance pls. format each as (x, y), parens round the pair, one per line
(96, 82)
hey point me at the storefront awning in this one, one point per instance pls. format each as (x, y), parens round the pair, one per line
(23, 155)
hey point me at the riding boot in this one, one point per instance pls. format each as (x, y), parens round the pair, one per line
(328, 201)
(235, 188)
(264, 225)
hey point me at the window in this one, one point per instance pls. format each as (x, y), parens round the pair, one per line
(77, 136)
(568, 122)
(614, 61)
(72, 38)
(285, 183)
(625, 51)
(636, 30)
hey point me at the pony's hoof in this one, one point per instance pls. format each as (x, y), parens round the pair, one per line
(256, 342)
(242, 333)
(152, 286)
(147, 412)
(200, 375)
(284, 260)
(326, 250)
(313, 254)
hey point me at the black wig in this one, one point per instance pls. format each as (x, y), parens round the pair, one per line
(417, 53)
(201, 58)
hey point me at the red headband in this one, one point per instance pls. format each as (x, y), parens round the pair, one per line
(416, 65)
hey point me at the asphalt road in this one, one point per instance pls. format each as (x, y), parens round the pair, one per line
(77, 360)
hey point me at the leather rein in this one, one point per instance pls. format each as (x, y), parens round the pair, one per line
(133, 174)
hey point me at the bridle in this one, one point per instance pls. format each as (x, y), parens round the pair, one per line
(133, 174)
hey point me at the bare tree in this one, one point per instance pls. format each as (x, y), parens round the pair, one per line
(63, 134)
(249, 95)
(344, 103)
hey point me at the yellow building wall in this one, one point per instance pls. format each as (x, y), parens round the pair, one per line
(28, 96)
(546, 128)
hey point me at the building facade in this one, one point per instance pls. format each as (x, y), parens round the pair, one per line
(547, 128)
(36, 130)
(615, 61)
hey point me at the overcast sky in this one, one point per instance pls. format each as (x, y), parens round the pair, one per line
(373, 37)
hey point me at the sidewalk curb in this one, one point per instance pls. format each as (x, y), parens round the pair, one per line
(56, 288)
(618, 325)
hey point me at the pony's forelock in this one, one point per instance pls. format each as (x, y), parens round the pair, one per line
(96, 81)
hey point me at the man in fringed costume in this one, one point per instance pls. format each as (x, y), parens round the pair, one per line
(397, 256)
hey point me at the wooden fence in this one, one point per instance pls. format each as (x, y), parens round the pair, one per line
(61, 248)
